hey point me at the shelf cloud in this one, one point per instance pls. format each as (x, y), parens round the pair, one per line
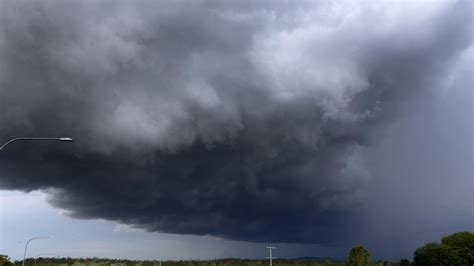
(238, 119)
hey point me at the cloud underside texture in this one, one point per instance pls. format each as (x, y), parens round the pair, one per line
(235, 119)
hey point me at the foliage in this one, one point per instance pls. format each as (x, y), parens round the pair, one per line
(462, 244)
(436, 254)
(359, 256)
(455, 249)
(404, 262)
(4, 260)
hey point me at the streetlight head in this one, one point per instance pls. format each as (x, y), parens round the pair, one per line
(43, 237)
(66, 139)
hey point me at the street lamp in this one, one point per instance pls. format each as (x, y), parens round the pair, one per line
(30, 138)
(26, 246)
(39, 255)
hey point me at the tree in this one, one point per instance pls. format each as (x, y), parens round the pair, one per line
(404, 262)
(5, 260)
(455, 249)
(359, 256)
(436, 254)
(462, 244)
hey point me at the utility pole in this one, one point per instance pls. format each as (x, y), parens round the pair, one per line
(270, 249)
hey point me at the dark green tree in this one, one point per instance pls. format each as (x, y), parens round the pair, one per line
(462, 244)
(5, 260)
(359, 256)
(436, 254)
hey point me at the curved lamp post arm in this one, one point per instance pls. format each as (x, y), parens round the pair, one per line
(26, 246)
(32, 138)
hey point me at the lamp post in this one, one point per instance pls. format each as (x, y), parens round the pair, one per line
(34, 138)
(39, 255)
(26, 246)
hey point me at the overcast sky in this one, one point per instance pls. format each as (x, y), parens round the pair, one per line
(207, 129)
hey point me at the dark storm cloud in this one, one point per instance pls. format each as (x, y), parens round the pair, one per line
(236, 119)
